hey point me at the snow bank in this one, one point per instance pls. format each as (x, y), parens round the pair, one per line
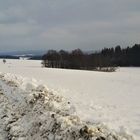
(31, 111)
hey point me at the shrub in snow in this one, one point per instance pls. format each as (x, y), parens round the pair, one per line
(106, 69)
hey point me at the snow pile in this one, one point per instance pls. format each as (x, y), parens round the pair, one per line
(30, 111)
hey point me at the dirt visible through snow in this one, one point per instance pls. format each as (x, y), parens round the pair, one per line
(32, 112)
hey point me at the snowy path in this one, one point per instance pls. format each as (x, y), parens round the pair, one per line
(32, 112)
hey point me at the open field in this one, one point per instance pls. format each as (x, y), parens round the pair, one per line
(109, 98)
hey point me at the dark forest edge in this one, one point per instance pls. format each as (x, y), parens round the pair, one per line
(108, 59)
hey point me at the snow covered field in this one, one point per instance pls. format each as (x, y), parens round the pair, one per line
(109, 98)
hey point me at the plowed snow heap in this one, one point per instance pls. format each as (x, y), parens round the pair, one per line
(30, 112)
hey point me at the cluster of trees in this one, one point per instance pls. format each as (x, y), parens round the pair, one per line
(106, 58)
(129, 56)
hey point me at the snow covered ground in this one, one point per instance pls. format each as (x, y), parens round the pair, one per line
(109, 98)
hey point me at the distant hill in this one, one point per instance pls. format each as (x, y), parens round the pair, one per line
(31, 54)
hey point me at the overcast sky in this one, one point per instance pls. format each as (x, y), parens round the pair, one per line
(68, 24)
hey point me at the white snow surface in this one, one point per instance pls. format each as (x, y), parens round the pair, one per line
(110, 100)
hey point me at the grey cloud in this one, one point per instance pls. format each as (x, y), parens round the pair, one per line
(68, 24)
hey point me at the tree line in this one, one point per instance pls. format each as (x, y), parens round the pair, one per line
(106, 58)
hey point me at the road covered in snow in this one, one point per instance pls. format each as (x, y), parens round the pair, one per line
(109, 101)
